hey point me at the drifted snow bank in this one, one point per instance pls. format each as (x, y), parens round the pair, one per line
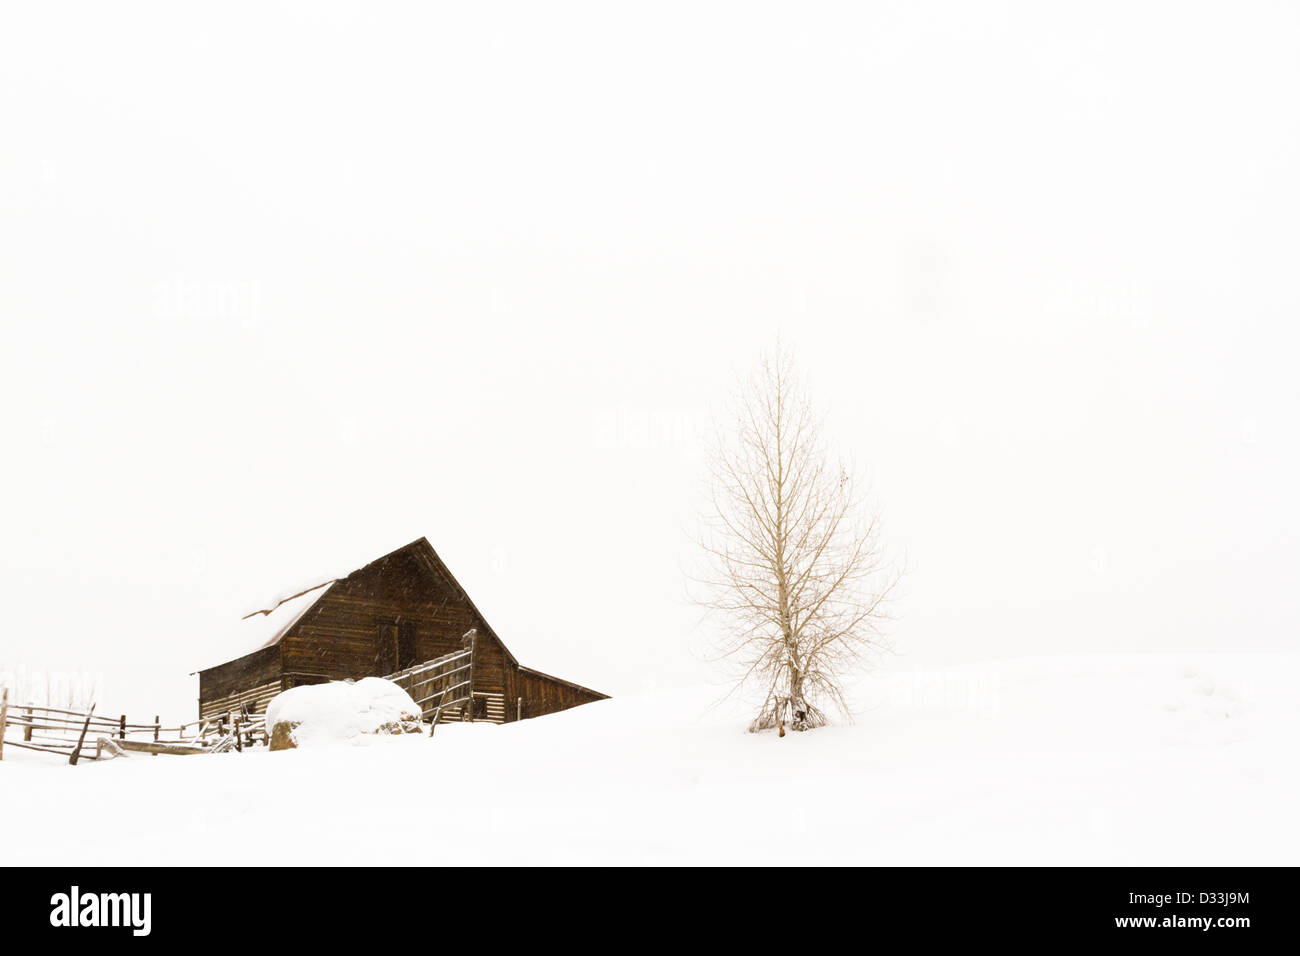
(1106, 760)
(342, 710)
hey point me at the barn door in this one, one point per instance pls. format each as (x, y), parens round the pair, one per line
(406, 656)
(386, 650)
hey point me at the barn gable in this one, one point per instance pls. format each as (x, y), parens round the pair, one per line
(401, 609)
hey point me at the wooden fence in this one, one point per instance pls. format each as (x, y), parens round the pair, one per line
(85, 736)
(441, 686)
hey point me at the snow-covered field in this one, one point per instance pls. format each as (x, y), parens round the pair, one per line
(1076, 760)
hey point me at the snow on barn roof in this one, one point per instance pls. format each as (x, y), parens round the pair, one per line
(264, 627)
(261, 628)
(265, 623)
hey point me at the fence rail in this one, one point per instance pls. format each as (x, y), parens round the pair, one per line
(86, 736)
(443, 685)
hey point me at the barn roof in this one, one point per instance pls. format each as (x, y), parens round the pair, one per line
(264, 627)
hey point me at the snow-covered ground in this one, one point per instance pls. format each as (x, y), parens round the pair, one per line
(1117, 759)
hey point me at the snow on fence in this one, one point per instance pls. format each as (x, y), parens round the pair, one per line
(86, 736)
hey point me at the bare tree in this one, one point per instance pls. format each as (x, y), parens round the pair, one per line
(795, 568)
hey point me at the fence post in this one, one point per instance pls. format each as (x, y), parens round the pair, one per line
(82, 739)
(27, 730)
(239, 740)
(4, 716)
(121, 733)
(470, 636)
(157, 729)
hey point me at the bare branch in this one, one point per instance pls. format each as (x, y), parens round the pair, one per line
(795, 567)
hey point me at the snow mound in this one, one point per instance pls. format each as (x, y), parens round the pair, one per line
(344, 711)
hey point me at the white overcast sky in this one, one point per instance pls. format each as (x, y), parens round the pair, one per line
(289, 285)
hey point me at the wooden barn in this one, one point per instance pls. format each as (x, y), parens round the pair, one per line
(390, 616)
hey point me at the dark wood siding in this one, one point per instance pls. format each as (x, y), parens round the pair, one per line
(358, 627)
(536, 694)
(241, 674)
(254, 699)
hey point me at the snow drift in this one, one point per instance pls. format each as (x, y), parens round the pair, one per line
(343, 711)
(1116, 760)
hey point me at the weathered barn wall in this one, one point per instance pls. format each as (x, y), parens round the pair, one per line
(536, 694)
(488, 706)
(260, 667)
(254, 698)
(393, 614)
